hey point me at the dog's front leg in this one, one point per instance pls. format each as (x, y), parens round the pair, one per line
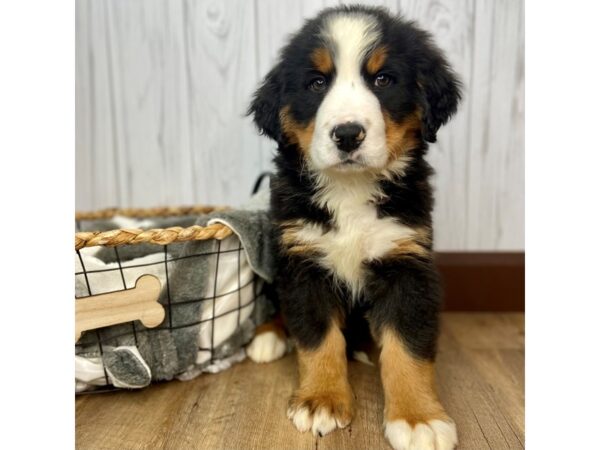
(414, 417)
(323, 401)
(405, 298)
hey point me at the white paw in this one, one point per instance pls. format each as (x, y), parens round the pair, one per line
(266, 347)
(433, 435)
(320, 423)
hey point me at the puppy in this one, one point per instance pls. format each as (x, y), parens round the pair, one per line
(354, 99)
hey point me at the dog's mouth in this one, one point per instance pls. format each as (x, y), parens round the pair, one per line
(349, 164)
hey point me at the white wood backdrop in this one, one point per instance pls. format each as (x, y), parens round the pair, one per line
(162, 87)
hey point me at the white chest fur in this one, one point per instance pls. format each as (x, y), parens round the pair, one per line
(358, 236)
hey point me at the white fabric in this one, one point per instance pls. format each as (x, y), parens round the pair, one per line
(219, 365)
(227, 297)
(110, 280)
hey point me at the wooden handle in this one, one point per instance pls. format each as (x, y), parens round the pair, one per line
(139, 303)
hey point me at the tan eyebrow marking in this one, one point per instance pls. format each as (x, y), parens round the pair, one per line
(321, 58)
(376, 59)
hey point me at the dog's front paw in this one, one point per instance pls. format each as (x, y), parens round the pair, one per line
(321, 413)
(266, 347)
(432, 435)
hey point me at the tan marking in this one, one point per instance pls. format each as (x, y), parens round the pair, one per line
(301, 249)
(402, 137)
(321, 58)
(289, 232)
(289, 238)
(275, 325)
(323, 374)
(295, 132)
(419, 244)
(376, 60)
(408, 384)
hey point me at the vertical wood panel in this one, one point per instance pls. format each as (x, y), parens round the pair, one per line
(83, 111)
(162, 88)
(147, 46)
(95, 117)
(221, 53)
(496, 166)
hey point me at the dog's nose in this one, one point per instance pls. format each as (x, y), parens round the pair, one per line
(348, 136)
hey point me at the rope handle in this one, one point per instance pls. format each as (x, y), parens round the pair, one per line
(148, 212)
(161, 236)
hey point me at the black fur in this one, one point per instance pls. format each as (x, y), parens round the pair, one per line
(405, 295)
(402, 293)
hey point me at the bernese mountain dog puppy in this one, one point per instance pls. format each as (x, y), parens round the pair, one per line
(354, 99)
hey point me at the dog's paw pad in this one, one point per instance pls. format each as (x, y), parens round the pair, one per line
(266, 347)
(433, 435)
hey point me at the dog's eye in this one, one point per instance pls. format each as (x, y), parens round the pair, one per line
(318, 84)
(382, 80)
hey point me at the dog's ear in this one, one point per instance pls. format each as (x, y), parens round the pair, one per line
(440, 91)
(266, 104)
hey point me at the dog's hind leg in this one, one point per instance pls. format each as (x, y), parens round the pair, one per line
(269, 342)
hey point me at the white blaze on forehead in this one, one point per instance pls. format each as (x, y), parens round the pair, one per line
(352, 36)
(349, 99)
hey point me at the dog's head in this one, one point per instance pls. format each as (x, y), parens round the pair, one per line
(356, 89)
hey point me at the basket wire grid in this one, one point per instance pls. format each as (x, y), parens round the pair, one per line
(164, 238)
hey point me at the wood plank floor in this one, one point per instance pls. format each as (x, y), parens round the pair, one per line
(480, 375)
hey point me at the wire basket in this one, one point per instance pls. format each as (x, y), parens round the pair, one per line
(136, 312)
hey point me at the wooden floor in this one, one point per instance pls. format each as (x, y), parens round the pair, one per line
(480, 375)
